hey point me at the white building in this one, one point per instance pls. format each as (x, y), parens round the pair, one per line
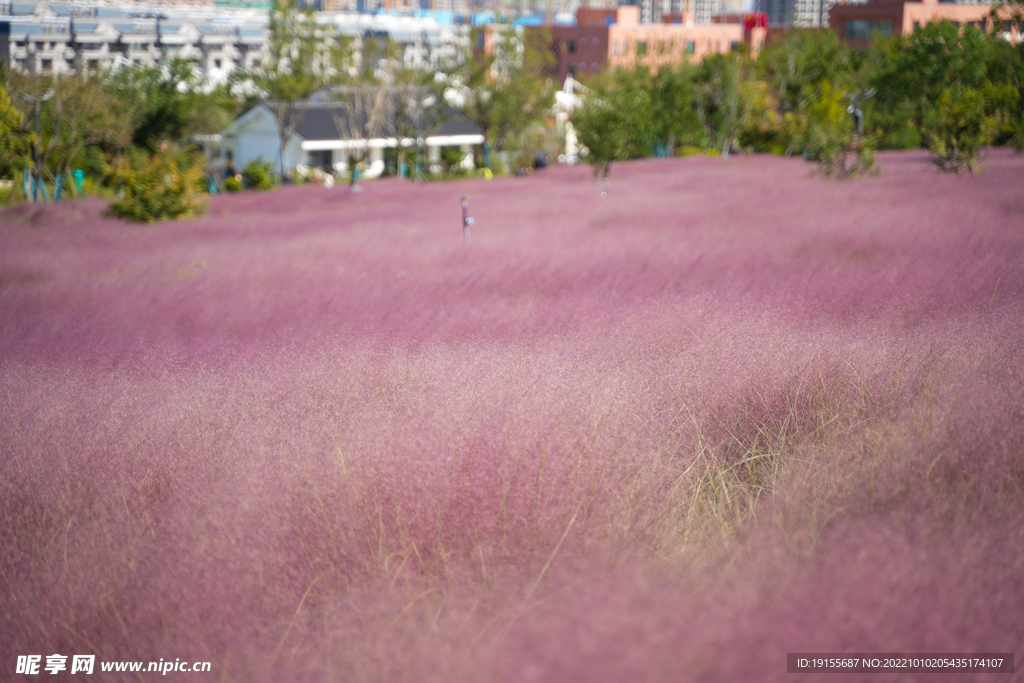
(317, 141)
(64, 37)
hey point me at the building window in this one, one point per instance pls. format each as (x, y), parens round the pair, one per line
(615, 47)
(917, 25)
(734, 46)
(641, 47)
(690, 47)
(216, 63)
(867, 28)
(572, 46)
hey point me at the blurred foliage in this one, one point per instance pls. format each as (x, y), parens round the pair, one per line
(75, 114)
(13, 151)
(618, 120)
(503, 91)
(798, 97)
(159, 187)
(829, 135)
(959, 128)
(791, 99)
(258, 174)
(302, 56)
(171, 102)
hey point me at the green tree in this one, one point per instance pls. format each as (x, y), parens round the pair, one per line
(170, 102)
(800, 62)
(302, 56)
(959, 128)
(911, 72)
(503, 90)
(675, 98)
(718, 100)
(619, 119)
(74, 113)
(12, 146)
(1009, 68)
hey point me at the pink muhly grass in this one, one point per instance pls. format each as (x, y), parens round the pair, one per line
(732, 411)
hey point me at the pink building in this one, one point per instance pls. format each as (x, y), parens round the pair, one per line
(615, 38)
(857, 24)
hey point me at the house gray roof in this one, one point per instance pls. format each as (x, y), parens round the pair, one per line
(319, 121)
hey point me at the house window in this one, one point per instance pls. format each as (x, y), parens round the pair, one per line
(572, 46)
(734, 46)
(641, 47)
(867, 28)
(216, 63)
(917, 25)
(690, 47)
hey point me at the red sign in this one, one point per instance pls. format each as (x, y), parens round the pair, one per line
(755, 19)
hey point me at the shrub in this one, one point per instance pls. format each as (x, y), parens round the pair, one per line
(158, 187)
(258, 175)
(233, 184)
(958, 129)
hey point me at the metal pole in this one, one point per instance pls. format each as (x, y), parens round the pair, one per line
(467, 220)
(35, 155)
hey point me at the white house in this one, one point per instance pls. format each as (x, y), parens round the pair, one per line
(317, 141)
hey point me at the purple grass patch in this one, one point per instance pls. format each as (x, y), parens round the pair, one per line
(731, 411)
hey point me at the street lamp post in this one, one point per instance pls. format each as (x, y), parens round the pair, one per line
(36, 101)
(856, 112)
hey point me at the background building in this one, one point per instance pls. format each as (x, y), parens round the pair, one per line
(612, 38)
(65, 37)
(857, 24)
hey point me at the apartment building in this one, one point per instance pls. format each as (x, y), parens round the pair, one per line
(66, 37)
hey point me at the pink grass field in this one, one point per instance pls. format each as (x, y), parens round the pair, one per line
(730, 412)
